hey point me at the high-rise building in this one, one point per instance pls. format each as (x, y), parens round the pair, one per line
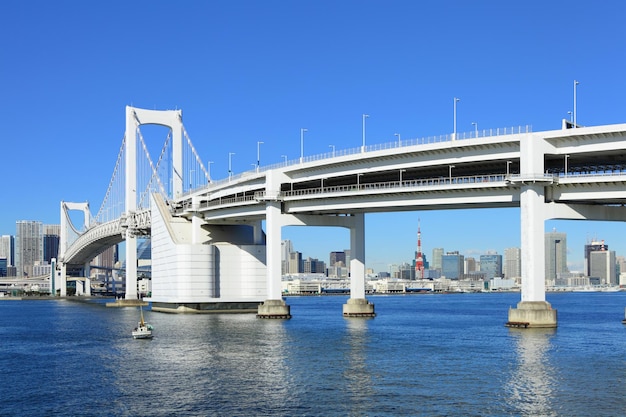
(591, 247)
(437, 258)
(470, 265)
(336, 257)
(419, 259)
(295, 263)
(512, 263)
(51, 238)
(313, 266)
(28, 246)
(491, 265)
(602, 266)
(286, 247)
(7, 249)
(556, 254)
(3, 267)
(452, 265)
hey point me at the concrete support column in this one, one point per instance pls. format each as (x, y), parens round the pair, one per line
(131, 266)
(274, 307)
(61, 283)
(87, 282)
(357, 305)
(533, 310)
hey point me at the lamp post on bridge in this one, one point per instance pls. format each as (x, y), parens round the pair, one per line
(456, 100)
(358, 182)
(365, 116)
(258, 155)
(333, 148)
(450, 173)
(285, 158)
(230, 165)
(401, 171)
(302, 143)
(475, 129)
(208, 167)
(566, 158)
(575, 84)
(399, 141)
(507, 168)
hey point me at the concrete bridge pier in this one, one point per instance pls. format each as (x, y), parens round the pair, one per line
(357, 305)
(533, 310)
(274, 307)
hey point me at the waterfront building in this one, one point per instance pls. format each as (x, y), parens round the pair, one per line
(3, 267)
(7, 249)
(470, 265)
(602, 266)
(51, 238)
(452, 264)
(313, 266)
(556, 255)
(591, 247)
(491, 265)
(437, 259)
(336, 257)
(295, 263)
(28, 246)
(512, 263)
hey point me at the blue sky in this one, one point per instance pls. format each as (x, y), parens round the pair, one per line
(248, 71)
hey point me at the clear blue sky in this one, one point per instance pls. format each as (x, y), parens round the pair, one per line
(244, 71)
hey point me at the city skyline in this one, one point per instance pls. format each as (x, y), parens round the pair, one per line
(264, 75)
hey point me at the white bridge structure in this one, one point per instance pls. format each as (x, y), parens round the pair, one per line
(216, 244)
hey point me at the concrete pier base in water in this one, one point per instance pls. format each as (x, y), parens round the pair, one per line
(532, 314)
(274, 309)
(358, 307)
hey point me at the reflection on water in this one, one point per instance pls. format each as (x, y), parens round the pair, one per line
(531, 386)
(356, 373)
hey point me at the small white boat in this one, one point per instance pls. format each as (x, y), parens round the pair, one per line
(143, 329)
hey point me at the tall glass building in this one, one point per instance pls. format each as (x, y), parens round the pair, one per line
(491, 265)
(28, 246)
(556, 255)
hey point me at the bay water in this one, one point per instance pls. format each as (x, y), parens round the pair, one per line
(422, 355)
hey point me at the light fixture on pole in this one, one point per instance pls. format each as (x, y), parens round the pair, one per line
(570, 114)
(566, 158)
(333, 148)
(575, 84)
(302, 143)
(230, 165)
(365, 116)
(401, 171)
(208, 167)
(450, 173)
(358, 182)
(456, 100)
(507, 168)
(475, 129)
(399, 141)
(285, 157)
(258, 155)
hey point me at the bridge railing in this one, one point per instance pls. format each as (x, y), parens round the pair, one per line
(514, 130)
(378, 186)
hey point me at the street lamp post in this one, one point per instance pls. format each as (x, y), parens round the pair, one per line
(258, 155)
(333, 148)
(570, 114)
(230, 165)
(475, 129)
(302, 143)
(365, 116)
(456, 100)
(450, 173)
(566, 158)
(401, 171)
(285, 157)
(358, 182)
(575, 84)
(507, 168)
(208, 167)
(399, 141)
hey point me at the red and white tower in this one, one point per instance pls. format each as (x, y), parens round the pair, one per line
(419, 259)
